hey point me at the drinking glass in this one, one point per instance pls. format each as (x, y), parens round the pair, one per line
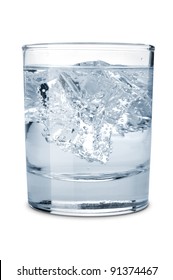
(88, 110)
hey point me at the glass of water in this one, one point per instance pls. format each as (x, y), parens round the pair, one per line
(88, 110)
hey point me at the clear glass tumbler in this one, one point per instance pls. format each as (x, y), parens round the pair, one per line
(88, 109)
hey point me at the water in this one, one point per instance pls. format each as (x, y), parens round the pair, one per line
(88, 130)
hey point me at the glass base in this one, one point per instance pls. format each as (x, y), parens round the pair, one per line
(89, 198)
(90, 208)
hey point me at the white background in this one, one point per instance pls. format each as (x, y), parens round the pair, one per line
(32, 238)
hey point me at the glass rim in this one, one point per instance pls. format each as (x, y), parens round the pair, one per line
(105, 46)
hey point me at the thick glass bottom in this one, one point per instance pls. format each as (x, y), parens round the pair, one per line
(116, 196)
(90, 208)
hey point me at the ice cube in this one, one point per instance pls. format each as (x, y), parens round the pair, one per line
(81, 107)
